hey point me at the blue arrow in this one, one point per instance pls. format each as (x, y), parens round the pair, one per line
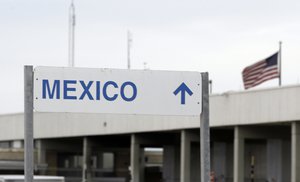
(183, 89)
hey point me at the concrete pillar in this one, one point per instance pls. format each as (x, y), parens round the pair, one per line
(219, 160)
(185, 157)
(295, 152)
(169, 163)
(86, 160)
(286, 160)
(274, 160)
(239, 147)
(41, 152)
(195, 162)
(41, 157)
(142, 164)
(135, 159)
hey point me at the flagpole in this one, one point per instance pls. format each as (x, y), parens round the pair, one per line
(129, 40)
(279, 62)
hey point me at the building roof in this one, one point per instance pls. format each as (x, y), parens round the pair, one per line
(275, 105)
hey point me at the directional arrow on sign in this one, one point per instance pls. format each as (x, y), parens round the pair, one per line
(183, 89)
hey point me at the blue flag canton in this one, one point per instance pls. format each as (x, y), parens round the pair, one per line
(272, 60)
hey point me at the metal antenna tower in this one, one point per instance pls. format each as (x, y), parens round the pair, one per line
(71, 33)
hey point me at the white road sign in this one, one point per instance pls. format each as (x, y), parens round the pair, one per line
(89, 90)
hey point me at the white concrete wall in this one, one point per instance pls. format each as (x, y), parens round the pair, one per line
(257, 106)
(240, 108)
(12, 127)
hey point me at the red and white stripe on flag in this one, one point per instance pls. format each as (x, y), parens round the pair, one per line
(260, 72)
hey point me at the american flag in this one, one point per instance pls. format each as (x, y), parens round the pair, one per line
(261, 71)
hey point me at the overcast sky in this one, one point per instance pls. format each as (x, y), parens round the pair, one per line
(221, 37)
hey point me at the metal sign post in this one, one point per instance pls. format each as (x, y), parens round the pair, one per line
(28, 123)
(204, 131)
